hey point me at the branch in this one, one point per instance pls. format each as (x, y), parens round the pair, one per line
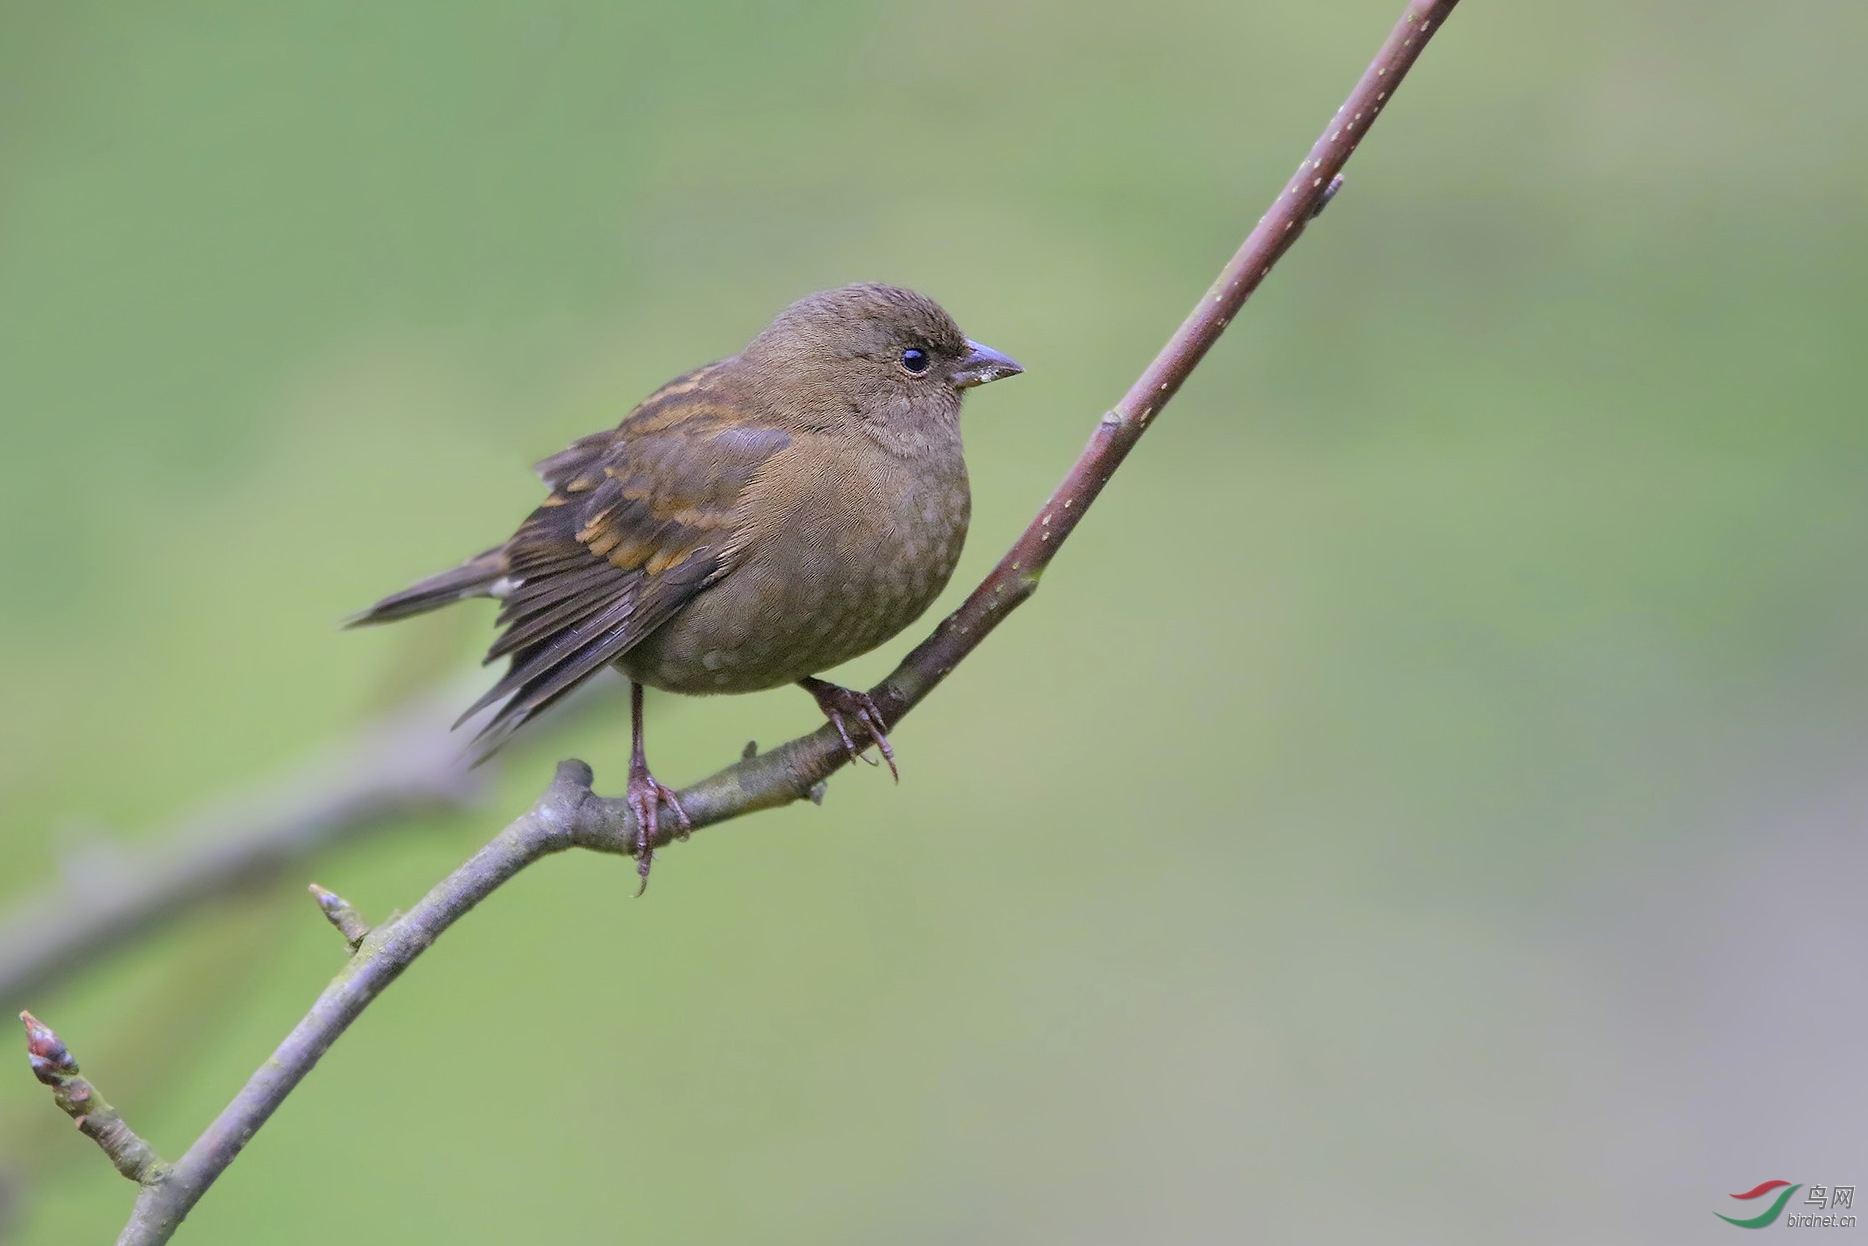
(793, 770)
(54, 1066)
(400, 764)
(570, 815)
(342, 914)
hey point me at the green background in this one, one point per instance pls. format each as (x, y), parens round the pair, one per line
(1424, 803)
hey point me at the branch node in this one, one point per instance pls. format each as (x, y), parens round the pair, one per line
(750, 751)
(1329, 193)
(816, 792)
(52, 1063)
(574, 775)
(342, 914)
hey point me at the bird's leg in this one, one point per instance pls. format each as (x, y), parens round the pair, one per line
(837, 702)
(646, 793)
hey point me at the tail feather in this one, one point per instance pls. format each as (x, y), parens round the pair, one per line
(479, 576)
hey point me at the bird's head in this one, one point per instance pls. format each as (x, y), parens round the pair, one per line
(886, 356)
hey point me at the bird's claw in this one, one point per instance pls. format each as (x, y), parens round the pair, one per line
(838, 702)
(646, 796)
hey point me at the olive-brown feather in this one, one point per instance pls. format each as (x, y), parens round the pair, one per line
(598, 570)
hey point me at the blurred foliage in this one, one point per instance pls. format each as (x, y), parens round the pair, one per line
(1424, 803)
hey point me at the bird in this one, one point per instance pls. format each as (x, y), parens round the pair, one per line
(748, 525)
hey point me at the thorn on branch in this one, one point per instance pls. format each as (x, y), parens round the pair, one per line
(342, 914)
(53, 1065)
(1329, 193)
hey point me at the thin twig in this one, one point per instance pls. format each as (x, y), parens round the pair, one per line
(402, 764)
(569, 815)
(54, 1066)
(342, 914)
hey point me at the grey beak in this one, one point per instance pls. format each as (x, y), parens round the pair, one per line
(983, 364)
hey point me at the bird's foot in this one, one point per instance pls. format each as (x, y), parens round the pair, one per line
(839, 704)
(646, 796)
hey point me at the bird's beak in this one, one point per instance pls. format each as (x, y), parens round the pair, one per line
(982, 364)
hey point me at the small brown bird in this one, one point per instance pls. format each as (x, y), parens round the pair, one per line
(749, 524)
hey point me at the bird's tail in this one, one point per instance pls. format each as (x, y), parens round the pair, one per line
(479, 576)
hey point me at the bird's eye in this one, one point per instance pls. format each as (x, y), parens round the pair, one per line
(915, 360)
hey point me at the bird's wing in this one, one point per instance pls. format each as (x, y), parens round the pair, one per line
(640, 519)
(685, 393)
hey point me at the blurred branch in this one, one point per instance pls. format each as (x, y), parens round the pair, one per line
(404, 763)
(570, 815)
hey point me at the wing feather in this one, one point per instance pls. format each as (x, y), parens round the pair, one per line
(640, 520)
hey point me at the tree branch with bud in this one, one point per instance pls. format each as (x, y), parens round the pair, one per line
(52, 1063)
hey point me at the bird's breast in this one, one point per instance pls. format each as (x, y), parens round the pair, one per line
(840, 552)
